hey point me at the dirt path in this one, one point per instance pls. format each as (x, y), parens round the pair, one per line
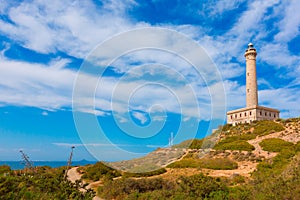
(245, 168)
(258, 151)
(73, 175)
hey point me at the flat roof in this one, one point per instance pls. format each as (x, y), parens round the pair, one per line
(251, 108)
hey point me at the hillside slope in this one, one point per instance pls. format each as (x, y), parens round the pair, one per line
(248, 161)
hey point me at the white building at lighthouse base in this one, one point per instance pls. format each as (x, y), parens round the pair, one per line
(250, 114)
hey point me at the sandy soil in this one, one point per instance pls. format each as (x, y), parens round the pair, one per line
(74, 175)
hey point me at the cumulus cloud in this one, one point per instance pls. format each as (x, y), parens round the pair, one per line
(36, 85)
(71, 27)
(140, 116)
(289, 25)
(77, 27)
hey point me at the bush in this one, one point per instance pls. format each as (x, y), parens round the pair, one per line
(208, 163)
(184, 163)
(193, 187)
(43, 184)
(4, 169)
(121, 188)
(275, 144)
(280, 180)
(297, 146)
(192, 144)
(238, 179)
(201, 187)
(196, 144)
(247, 136)
(218, 164)
(265, 127)
(240, 145)
(145, 174)
(226, 127)
(99, 170)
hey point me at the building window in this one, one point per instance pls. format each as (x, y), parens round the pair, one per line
(265, 113)
(274, 115)
(235, 116)
(260, 113)
(270, 114)
(230, 116)
(248, 90)
(245, 114)
(240, 114)
(250, 113)
(248, 74)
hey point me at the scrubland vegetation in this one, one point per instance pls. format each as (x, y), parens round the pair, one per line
(208, 163)
(276, 177)
(44, 183)
(275, 144)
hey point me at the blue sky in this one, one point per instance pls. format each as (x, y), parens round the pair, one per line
(43, 46)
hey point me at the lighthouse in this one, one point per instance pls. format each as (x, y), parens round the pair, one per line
(251, 82)
(252, 111)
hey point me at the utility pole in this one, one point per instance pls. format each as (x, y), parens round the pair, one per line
(69, 163)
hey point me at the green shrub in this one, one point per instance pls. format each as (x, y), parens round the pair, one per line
(247, 136)
(196, 144)
(234, 145)
(192, 144)
(275, 144)
(145, 174)
(185, 163)
(121, 188)
(4, 169)
(280, 180)
(192, 187)
(226, 127)
(208, 163)
(297, 146)
(218, 164)
(43, 184)
(99, 170)
(201, 187)
(239, 193)
(238, 179)
(265, 127)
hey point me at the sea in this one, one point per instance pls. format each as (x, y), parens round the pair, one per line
(16, 165)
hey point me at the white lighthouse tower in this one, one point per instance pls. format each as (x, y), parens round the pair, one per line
(252, 111)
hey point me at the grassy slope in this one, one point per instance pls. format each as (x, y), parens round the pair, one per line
(231, 149)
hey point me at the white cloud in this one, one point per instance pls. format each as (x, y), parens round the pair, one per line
(290, 24)
(286, 100)
(35, 85)
(72, 27)
(278, 55)
(50, 87)
(44, 113)
(76, 27)
(140, 116)
(219, 7)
